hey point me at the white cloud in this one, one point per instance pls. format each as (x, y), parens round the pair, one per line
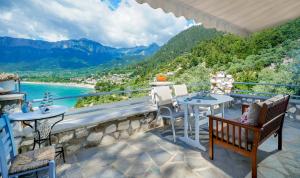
(129, 24)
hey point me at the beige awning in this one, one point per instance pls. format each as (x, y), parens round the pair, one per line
(236, 16)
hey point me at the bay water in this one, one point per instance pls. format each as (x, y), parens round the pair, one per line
(37, 91)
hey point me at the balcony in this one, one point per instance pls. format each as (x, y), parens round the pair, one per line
(125, 139)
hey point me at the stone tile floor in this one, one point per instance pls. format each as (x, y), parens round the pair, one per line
(153, 154)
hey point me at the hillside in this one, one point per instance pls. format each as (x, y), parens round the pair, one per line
(184, 42)
(269, 56)
(178, 45)
(25, 54)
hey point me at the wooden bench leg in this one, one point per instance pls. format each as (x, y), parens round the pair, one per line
(280, 139)
(254, 165)
(211, 147)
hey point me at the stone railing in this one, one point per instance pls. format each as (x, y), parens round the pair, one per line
(88, 127)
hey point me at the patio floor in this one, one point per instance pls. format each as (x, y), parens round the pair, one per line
(153, 154)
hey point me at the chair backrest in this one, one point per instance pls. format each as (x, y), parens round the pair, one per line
(7, 146)
(180, 90)
(272, 114)
(162, 95)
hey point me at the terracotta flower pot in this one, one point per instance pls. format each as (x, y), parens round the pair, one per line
(161, 78)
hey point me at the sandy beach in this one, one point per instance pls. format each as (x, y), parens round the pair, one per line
(62, 84)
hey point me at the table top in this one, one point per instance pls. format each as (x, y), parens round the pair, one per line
(219, 99)
(55, 110)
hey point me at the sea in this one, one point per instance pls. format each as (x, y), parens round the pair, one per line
(37, 91)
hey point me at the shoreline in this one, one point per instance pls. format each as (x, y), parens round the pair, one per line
(79, 85)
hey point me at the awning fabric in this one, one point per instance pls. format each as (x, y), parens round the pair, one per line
(236, 16)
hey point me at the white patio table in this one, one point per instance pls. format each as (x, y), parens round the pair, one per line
(195, 103)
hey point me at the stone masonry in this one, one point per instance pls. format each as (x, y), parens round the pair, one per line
(102, 134)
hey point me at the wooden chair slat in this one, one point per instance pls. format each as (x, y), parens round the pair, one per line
(222, 131)
(240, 135)
(228, 133)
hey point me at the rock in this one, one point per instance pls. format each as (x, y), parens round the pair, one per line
(292, 110)
(95, 137)
(82, 132)
(108, 140)
(27, 142)
(135, 124)
(298, 117)
(124, 135)
(110, 129)
(116, 135)
(123, 125)
(72, 149)
(298, 106)
(66, 136)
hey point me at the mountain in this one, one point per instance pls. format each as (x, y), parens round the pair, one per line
(184, 42)
(26, 54)
(181, 43)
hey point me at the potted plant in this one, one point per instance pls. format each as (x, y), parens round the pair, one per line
(8, 82)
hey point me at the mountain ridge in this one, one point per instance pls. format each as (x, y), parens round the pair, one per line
(73, 53)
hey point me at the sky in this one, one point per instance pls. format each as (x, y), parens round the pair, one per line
(116, 23)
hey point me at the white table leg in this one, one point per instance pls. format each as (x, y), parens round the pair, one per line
(186, 120)
(194, 142)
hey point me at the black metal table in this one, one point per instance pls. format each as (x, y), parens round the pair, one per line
(43, 134)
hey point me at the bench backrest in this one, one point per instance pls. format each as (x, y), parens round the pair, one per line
(272, 115)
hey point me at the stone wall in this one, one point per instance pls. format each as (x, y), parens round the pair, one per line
(102, 134)
(221, 83)
(293, 111)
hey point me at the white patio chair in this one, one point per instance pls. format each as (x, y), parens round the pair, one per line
(180, 90)
(166, 108)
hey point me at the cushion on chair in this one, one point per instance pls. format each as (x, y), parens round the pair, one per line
(243, 134)
(254, 109)
(32, 160)
(253, 113)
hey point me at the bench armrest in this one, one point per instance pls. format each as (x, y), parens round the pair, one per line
(233, 122)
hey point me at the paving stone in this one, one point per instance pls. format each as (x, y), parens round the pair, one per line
(159, 156)
(110, 129)
(179, 157)
(292, 110)
(196, 163)
(178, 170)
(123, 164)
(138, 169)
(212, 173)
(109, 173)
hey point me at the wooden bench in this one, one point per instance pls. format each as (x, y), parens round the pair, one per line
(248, 137)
